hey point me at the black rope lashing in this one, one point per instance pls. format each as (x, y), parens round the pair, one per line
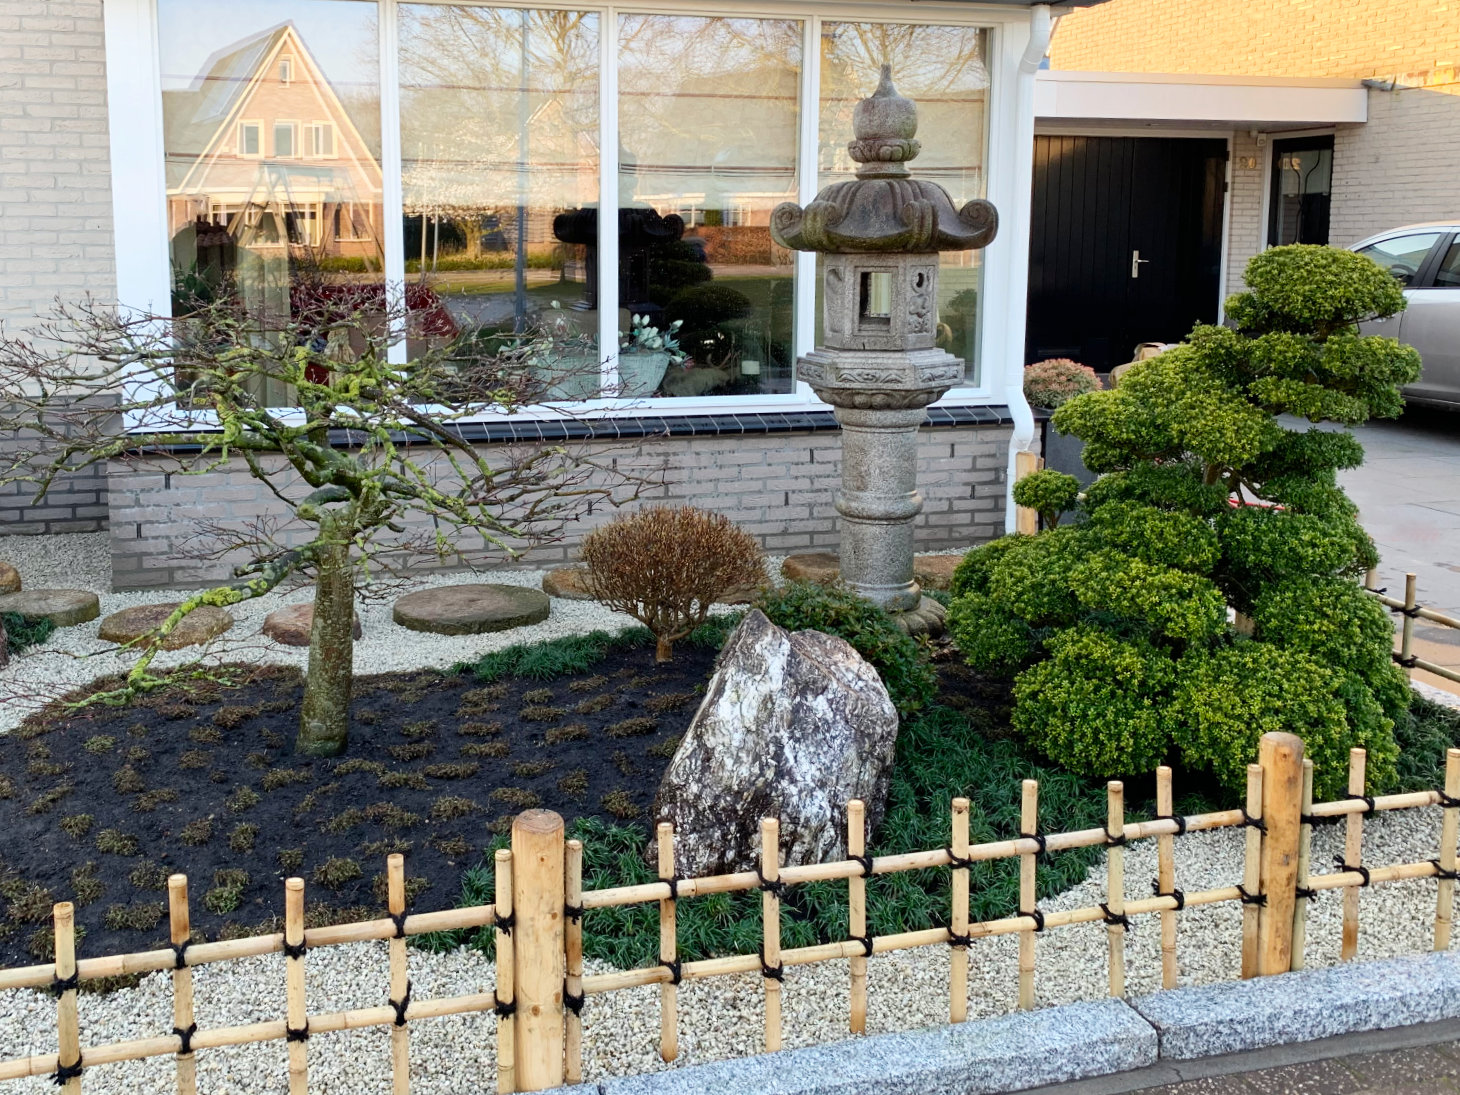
(676, 971)
(957, 940)
(1173, 892)
(956, 861)
(185, 1037)
(1304, 893)
(505, 1009)
(1038, 838)
(1116, 840)
(1309, 819)
(573, 913)
(297, 1034)
(1355, 868)
(399, 920)
(1114, 919)
(1037, 915)
(866, 941)
(1412, 611)
(1441, 872)
(65, 984)
(1253, 822)
(673, 884)
(863, 861)
(295, 950)
(573, 1001)
(401, 1005)
(66, 1072)
(1408, 661)
(1449, 802)
(504, 924)
(773, 973)
(1371, 589)
(1367, 800)
(770, 885)
(1258, 899)
(180, 954)
(1178, 818)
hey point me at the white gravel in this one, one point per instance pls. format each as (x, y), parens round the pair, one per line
(718, 1018)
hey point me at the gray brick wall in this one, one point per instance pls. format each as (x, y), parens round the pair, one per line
(778, 487)
(1244, 224)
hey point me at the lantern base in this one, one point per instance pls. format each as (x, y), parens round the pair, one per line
(928, 618)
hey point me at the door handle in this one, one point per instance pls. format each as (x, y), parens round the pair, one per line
(1135, 264)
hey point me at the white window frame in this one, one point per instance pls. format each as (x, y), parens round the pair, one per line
(256, 123)
(316, 131)
(293, 128)
(280, 70)
(140, 206)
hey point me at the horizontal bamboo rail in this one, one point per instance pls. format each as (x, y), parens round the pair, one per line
(1412, 610)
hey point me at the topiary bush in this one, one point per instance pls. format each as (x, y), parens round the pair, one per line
(1049, 493)
(1118, 626)
(1056, 381)
(836, 610)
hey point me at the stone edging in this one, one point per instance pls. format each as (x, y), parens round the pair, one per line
(1078, 1041)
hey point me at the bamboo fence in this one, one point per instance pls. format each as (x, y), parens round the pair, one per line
(1412, 610)
(540, 904)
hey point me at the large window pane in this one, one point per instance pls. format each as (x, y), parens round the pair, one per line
(251, 202)
(708, 122)
(499, 147)
(943, 69)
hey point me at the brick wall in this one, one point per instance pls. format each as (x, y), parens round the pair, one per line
(1356, 38)
(55, 204)
(778, 487)
(1244, 218)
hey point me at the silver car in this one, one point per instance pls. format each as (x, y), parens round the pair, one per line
(1426, 259)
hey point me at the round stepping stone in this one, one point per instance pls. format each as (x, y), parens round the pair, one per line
(471, 609)
(9, 579)
(63, 607)
(569, 583)
(816, 566)
(292, 624)
(935, 571)
(202, 624)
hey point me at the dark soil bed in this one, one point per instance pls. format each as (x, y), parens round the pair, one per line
(101, 804)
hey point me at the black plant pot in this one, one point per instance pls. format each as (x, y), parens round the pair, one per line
(1064, 452)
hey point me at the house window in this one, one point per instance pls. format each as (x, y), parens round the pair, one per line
(1301, 188)
(505, 206)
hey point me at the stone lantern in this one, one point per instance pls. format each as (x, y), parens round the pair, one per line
(879, 368)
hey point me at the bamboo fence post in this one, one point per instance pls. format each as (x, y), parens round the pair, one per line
(1115, 884)
(1353, 851)
(1281, 757)
(1026, 464)
(573, 943)
(400, 977)
(958, 959)
(506, 991)
(1371, 580)
(1406, 633)
(538, 904)
(296, 1014)
(1028, 891)
(770, 912)
(181, 933)
(1305, 869)
(857, 913)
(1166, 876)
(1252, 872)
(68, 1029)
(1445, 906)
(668, 950)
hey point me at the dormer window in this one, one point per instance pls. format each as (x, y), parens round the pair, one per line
(286, 70)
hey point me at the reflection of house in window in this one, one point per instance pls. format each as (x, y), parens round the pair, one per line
(352, 221)
(286, 70)
(250, 142)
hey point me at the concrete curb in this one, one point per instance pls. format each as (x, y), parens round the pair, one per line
(1080, 1041)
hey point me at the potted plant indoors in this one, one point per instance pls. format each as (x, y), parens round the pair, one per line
(644, 356)
(1053, 383)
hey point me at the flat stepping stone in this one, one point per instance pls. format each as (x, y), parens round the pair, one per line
(201, 625)
(471, 609)
(63, 607)
(292, 624)
(569, 583)
(9, 579)
(930, 571)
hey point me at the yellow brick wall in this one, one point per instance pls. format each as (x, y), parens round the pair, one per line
(1348, 38)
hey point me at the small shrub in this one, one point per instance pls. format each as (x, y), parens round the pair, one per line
(1049, 493)
(242, 838)
(148, 876)
(1057, 380)
(451, 845)
(197, 833)
(391, 845)
(85, 886)
(451, 771)
(587, 684)
(99, 743)
(415, 887)
(227, 892)
(127, 780)
(633, 728)
(275, 778)
(77, 825)
(176, 712)
(479, 729)
(421, 728)
(206, 735)
(32, 905)
(257, 760)
(412, 751)
(530, 769)
(669, 701)
(138, 755)
(495, 749)
(538, 695)
(574, 731)
(620, 804)
(7, 787)
(450, 807)
(837, 610)
(667, 565)
(232, 716)
(336, 873)
(116, 842)
(41, 943)
(391, 816)
(594, 704)
(138, 916)
(194, 758)
(360, 764)
(575, 783)
(149, 800)
(540, 713)
(47, 801)
(245, 798)
(316, 798)
(413, 781)
(291, 859)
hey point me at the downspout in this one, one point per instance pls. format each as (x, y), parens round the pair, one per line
(1041, 29)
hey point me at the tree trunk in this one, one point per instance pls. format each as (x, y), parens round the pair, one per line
(324, 718)
(663, 651)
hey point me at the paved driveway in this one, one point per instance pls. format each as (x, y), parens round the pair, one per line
(1408, 494)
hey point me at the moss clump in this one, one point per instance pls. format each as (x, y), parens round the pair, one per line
(257, 760)
(479, 729)
(192, 759)
(345, 820)
(126, 780)
(530, 769)
(413, 781)
(99, 743)
(575, 783)
(451, 845)
(148, 876)
(501, 824)
(77, 825)
(245, 798)
(206, 735)
(415, 887)
(360, 764)
(519, 798)
(139, 916)
(232, 716)
(452, 771)
(538, 695)
(665, 749)
(197, 833)
(32, 905)
(148, 801)
(391, 845)
(450, 807)
(587, 684)
(176, 712)
(138, 755)
(227, 892)
(42, 942)
(633, 728)
(317, 797)
(85, 886)
(621, 805)
(116, 842)
(669, 701)
(46, 801)
(291, 859)
(7, 787)
(574, 731)
(391, 816)
(624, 763)
(542, 713)
(275, 778)
(242, 838)
(594, 704)
(416, 750)
(496, 749)
(421, 728)
(336, 873)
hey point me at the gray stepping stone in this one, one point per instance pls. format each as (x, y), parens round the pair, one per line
(199, 626)
(63, 607)
(9, 579)
(292, 624)
(471, 609)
